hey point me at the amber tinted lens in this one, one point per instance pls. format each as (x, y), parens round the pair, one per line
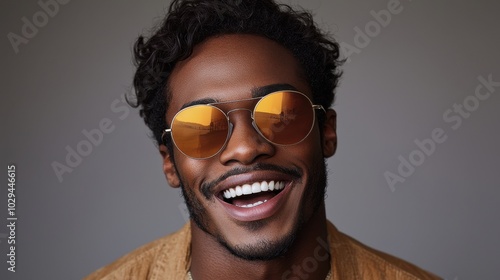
(284, 118)
(200, 131)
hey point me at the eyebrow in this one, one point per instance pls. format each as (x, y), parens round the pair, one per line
(256, 92)
(264, 90)
(198, 102)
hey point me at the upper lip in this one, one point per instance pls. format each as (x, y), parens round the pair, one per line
(249, 178)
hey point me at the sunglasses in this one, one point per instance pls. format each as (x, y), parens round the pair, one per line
(282, 118)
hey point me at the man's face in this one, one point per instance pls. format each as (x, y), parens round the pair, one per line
(234, 67)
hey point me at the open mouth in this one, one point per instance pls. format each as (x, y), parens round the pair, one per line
(252, 195)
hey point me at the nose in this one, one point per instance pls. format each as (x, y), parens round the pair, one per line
(245, 145)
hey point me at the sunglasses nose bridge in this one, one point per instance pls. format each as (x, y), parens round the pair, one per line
(231, 123)
(236, 110)
(244, 142)
(239, 109)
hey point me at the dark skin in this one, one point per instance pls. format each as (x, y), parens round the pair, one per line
(228, 68)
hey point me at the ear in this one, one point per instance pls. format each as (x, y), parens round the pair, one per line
(329, 140)
(169, 168)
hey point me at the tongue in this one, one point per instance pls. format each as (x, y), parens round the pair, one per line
(252, 198)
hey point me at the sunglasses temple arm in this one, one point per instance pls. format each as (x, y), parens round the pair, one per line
(319, 107)
(168, 130)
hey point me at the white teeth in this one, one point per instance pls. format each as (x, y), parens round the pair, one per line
(264, 186)
(253, 188)
(247, 189)
(254, 204)
(256, 188)
(279, 186)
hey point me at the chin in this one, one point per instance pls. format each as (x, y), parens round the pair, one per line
(262, 249)
(263, 243)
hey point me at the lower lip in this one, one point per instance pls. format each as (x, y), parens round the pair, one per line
(259, 212)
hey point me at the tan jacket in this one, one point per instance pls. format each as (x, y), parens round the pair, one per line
(168, 259)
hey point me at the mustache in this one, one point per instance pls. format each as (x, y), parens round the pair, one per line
(207, 188)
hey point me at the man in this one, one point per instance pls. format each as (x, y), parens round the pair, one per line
(237, 95)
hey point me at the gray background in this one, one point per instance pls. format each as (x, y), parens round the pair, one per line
(444, 217)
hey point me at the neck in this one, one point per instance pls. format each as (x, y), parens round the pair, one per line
(307, 258)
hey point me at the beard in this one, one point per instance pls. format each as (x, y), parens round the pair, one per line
(264, 249)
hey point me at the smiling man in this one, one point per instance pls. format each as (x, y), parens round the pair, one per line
(237, 94)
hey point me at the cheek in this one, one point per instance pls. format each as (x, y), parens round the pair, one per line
(311, 148)
(187, 169)
(193, 173)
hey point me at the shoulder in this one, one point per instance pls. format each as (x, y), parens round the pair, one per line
(168, 253)
(368, 263)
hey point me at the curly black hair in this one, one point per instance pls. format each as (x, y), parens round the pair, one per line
(189, 22)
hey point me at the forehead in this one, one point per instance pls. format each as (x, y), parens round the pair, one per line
(228, 68)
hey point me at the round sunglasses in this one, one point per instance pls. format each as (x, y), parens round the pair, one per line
(281, 117)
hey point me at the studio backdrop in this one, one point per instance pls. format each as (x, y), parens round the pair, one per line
(415, 173)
